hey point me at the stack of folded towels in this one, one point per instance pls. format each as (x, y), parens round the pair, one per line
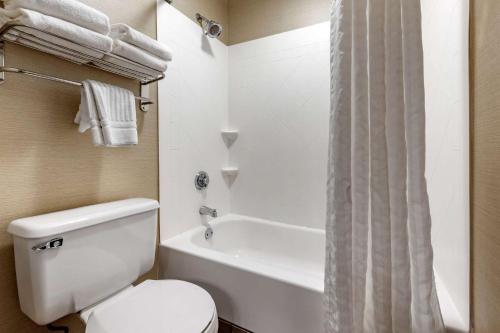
(80, 33)
(77, 32)
(58, 27)
(133, 45)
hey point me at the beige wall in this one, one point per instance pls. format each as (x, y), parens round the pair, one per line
(46, 165)
(252, 19)
(485, 149)
(245, 20)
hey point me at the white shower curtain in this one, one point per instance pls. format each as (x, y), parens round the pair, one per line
(379, 273)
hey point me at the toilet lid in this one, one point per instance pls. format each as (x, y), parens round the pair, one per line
(165, 306)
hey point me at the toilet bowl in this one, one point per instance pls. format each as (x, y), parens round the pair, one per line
(153, 307)
(85, 260)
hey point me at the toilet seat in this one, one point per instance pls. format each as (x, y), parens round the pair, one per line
(164, 306)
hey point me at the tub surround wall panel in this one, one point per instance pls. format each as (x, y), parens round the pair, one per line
(194, 99)
(293, 127)
(445, 38)
(279, 103)
(485, 143)
(46, 165)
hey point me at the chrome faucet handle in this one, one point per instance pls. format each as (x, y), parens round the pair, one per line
(204, 210)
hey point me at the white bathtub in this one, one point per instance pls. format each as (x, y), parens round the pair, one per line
(264, 276)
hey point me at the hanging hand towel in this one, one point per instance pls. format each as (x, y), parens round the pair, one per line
(129, 35)
(109, 112)
(68, 10)
(54, 26)
(87, 116)
(133, 53)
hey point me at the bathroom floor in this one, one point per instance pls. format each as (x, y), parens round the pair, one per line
(226, 327)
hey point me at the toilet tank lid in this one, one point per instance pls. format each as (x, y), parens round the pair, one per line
(72, 219)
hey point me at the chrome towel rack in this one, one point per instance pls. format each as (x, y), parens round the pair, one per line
(94, 58)
(3, 69)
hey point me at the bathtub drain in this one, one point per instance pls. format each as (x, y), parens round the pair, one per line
(209, 233)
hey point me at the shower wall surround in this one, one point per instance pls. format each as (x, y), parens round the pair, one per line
(445, 38)
(194, 111)
(279, 100)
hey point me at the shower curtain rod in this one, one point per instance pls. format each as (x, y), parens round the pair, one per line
(144, 100)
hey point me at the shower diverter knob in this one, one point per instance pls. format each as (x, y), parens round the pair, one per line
(201, 180)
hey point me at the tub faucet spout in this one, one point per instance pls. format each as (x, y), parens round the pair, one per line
(204, 210)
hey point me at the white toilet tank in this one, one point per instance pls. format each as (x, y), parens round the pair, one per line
(69, 260)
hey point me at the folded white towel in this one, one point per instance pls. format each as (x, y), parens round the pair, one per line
(69, 10)
(133, 67)
(121, 71)
(54, 26)
(47, 48)
(133, 53)
(56, 42)
(129, 35)
(10, 37)
(61, 48)
(109, 112)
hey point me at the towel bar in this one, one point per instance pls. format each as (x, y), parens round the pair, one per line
(145, 75)
(3, 69)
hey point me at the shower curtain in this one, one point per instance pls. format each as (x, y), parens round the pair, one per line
(379, 273)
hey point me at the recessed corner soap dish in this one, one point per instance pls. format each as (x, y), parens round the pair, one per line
(230, 171)
(229, 137)
(229, 174)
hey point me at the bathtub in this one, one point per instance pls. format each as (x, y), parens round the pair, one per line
(264, 276)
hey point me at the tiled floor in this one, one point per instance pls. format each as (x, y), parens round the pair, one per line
(226, 327)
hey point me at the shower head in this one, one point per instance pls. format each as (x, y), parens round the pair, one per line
(211, 28)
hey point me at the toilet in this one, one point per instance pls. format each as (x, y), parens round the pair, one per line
(85, 260)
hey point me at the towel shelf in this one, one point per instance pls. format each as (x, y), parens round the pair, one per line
(93, 58)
